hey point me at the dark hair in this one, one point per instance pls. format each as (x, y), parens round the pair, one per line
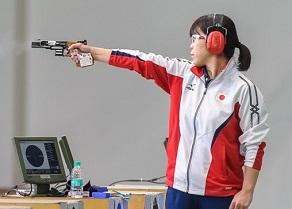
(232, 41)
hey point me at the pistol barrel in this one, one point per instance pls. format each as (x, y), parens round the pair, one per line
(36, 44)
(42, 44)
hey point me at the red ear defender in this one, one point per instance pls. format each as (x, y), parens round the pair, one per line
(215, 42)
(216, 35)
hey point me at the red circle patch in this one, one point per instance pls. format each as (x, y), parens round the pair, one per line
(221, 97)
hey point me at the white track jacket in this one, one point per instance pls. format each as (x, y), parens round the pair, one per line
(215, 126)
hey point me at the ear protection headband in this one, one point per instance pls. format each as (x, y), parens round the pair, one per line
(216, 35)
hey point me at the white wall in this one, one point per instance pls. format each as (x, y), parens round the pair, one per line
(12, 82)
(115, 120)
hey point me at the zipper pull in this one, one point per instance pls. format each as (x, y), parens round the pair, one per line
(205, 92)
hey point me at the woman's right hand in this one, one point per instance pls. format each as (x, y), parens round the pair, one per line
(98, 54)
(80, 48)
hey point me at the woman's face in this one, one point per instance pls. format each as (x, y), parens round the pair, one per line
(199, 51)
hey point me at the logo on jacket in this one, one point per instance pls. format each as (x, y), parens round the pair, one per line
(190, 86)
(220, 97)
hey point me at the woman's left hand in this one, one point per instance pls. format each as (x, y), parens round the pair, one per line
(241, 200)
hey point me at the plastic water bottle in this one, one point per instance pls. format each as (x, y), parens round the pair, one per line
(76, 181)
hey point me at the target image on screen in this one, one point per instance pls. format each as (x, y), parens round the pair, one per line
(40, 157)
(34, 155)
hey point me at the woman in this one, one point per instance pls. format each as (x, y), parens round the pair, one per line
(217, 123)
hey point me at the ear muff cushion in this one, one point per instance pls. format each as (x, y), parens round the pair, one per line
(215, 42)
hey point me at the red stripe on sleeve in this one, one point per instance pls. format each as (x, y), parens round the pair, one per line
(260, 153)
(147, 69)
(174, 131)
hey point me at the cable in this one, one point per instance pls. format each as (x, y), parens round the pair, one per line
(53, 192)
(9, 191)
(61, 185)
(24, 194)
(153, 181)
(16, 189)
(56, 192)
(125, 196)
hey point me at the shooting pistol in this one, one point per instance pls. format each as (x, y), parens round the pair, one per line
(61, 49)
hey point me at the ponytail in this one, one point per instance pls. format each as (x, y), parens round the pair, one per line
(244, 57)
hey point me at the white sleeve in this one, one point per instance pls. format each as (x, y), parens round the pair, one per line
(253, 122)
(174, 66)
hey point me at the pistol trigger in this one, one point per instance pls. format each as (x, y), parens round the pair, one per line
(74, 52)
(66, 52)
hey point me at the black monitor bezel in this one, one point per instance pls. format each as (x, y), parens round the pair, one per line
(36, 179)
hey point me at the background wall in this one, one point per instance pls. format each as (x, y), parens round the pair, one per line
(115, 120)
(6, 92)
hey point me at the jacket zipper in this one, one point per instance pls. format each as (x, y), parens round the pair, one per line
(195, 135)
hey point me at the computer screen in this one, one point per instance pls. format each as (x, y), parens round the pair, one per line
(40, 160)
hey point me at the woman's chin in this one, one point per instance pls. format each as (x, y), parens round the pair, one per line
(196, 63)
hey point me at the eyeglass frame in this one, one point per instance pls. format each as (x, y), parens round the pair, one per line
(195, 37)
